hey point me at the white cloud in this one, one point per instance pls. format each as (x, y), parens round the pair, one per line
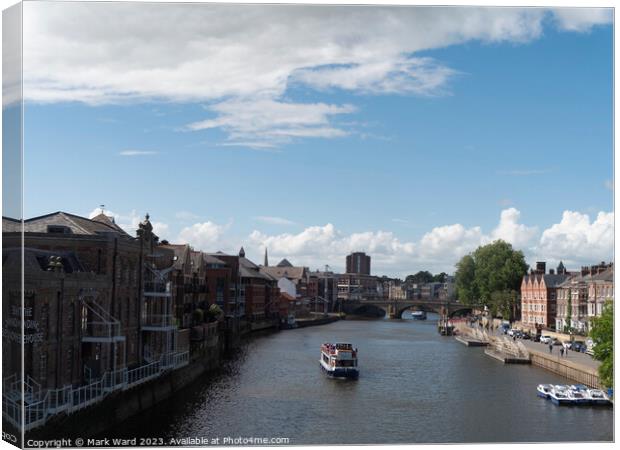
(232, 56)
(203, 236)
(130, 221)
(137, 152)
(510, 230)
(582, 19)
(576, 239)
(274, 220)
(265, 123)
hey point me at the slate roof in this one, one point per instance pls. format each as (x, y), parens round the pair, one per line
(38, 260)
(77, 224)
(284, 263)
(290, 272)
(10, 225)
(180, 251)
(551, 280)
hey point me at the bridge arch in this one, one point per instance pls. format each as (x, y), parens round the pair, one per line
(370, 310)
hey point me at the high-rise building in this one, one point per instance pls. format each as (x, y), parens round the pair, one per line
(358, 262)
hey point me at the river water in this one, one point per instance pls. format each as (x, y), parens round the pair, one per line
(414, 387)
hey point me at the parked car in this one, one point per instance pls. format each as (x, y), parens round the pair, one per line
(545, 339)
(513, 332)
(579, 346)
(526, 336)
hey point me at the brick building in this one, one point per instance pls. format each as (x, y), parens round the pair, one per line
(539, 295)
(358, 262)
(84, 296)
(582, 297)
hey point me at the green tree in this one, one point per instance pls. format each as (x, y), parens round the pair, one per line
(440, 277)
(602, 334)
(491, 276)
(423, 276)
(465, 281)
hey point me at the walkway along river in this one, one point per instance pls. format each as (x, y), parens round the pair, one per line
(414, 387)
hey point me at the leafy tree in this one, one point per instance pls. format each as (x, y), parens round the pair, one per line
(440, 277)
(491, 276)
(214, 312)
(423, 276)
(602, 334)
(465, 284)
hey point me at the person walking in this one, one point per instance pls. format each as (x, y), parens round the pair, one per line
(550, 347)
(562, 351)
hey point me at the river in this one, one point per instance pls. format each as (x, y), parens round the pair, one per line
(414, 387)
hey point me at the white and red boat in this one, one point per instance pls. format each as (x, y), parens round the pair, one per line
(339, 360)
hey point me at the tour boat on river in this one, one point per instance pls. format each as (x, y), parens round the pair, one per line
(339, 360)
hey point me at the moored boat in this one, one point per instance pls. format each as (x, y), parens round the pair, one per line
(543, 390)
(559, 395)
(598, 397)
(339, 360)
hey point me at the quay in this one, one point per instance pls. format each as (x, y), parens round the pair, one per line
(576, 366)
(471, 342)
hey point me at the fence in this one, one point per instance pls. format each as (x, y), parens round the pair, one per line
(38, 406)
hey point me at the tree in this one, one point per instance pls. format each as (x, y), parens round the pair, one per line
(492, 276)
(465, 285)
(440, 277)
(423, 276)
(602, 334)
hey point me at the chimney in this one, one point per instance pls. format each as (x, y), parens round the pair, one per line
(541, 267)
(551, 272)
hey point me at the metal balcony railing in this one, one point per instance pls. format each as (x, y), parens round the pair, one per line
(69, 399)
(156, 288)
(158, 321)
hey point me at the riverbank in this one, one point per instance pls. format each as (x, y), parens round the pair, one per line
(574, 366)
(317, 320)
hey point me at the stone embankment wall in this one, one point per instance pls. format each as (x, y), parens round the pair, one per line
(568, 369)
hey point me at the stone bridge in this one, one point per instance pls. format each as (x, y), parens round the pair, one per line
(395, 308)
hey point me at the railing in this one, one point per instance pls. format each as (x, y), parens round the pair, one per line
(98, 331)
(69, 399)
(156, 287)
(158, 320)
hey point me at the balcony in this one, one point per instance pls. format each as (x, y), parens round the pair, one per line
(100, 326)
(156, 289)
(158, 322)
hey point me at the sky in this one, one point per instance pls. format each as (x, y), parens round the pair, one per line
(414, 134)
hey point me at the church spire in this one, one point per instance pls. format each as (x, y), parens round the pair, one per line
(266, 264)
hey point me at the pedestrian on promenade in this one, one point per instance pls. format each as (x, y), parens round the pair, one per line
(562, 351)
(550, 348)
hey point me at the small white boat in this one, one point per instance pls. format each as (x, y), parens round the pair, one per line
(339, 360)
(418, 315)
(559, 395)
(578, 396)
(543, 390)
(598, 397)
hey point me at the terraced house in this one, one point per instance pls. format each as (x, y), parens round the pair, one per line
(583, 296)
(539, 295)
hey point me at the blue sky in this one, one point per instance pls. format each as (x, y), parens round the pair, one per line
(457, 131)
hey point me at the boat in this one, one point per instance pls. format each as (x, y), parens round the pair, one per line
(418, 315)
(339, 360)
(598, 397)
(579, 396)
(543, 390)
(559, 395)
